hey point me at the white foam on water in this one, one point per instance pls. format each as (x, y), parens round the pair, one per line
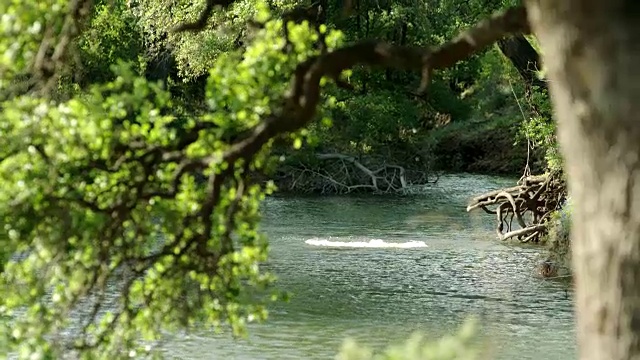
(373, 243)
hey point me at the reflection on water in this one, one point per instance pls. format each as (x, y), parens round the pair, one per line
(380, 294)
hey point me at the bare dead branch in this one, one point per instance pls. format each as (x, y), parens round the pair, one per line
(513, 206)
(373, 175)
(526, 231)
(476, 201)
(342, 174)
(537, 196)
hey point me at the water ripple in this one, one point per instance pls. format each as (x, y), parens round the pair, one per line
(381, 294)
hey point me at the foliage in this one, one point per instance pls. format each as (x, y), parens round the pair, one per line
(539, 126)
(21, 33)
(113, 34)
(455, 347)
(380, 99)
(196, 52)
(558, 239)
(87, 209)
(115, 227)
(96, 203)
(373, 119)
(382, 118)
(540, 129)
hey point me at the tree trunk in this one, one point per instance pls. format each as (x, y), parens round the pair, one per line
(523, 57)
(592, 53)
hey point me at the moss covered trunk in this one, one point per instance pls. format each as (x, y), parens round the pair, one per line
(592, 52)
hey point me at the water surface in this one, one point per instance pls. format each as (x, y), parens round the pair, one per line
(380, 294)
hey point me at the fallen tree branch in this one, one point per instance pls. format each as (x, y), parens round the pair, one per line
(349, 159)
(529, 230)
(491, 196)
(509, 198)
(373, 175)
(341, 174)
(537, 196)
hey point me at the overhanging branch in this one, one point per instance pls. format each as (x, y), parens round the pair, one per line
(299, 106)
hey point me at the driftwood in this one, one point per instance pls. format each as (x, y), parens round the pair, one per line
(343, 174)
(530, 204)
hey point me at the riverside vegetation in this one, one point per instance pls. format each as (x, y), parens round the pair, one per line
(128, 121)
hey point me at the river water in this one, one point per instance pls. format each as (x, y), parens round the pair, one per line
(443, 265)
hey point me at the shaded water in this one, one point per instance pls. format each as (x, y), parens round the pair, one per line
(380, 295)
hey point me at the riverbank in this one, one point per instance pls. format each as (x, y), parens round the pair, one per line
(558, 242)
(483, 146)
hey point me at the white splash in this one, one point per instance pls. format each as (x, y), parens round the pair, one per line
(373, 243)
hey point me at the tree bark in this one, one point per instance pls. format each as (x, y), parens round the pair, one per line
(592, 53)
(523, 57)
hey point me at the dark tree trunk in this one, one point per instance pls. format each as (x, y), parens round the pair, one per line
(524, 58)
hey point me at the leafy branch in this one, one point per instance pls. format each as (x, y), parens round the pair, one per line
(203, 17)
(299, 105)
(111, 182)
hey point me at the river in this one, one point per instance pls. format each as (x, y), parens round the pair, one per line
(333, 255)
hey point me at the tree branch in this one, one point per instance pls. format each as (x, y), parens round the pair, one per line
(299, 106)
(526, 231)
